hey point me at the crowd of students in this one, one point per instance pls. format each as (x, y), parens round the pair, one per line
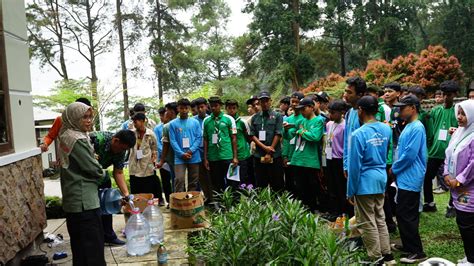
(371, 155)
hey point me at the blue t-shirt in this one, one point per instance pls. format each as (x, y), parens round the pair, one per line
(181, 129)
(159, 138)
(410, 165)
(367, 160)
(352, 123)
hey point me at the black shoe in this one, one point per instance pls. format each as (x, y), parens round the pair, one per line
(115, 242)
(430, 207)
(450, 212)
(389, 260)
(413, 258)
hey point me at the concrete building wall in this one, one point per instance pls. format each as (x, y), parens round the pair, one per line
(22, 206)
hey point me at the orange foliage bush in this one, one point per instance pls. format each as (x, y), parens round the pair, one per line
(321, 84)
(428, 70)
(405, 65)
(435, 66)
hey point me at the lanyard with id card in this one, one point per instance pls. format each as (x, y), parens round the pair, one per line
(139, 154)
(443, 135)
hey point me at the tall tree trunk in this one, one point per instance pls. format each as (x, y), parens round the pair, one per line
(342, 54)
(94, 79)
(59, 30)
(295, 25)
(160, 50)
(122, 60)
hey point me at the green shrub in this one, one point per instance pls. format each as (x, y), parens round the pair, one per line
(54, 207)
(268, 228)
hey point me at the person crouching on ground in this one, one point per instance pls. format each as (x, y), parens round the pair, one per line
(80, 173)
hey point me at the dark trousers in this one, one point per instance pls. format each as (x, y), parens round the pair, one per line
(218, 173)
(205, 182)
(389, 206)
(148, 184)
(270, 174)
(431, 172)
(166, 183)
(244, 176)
(306, 185)
(465, 221)
(251, 171)
(109, 234)
(408, 218)
(289, 180)
(337, 188)
(87, 237)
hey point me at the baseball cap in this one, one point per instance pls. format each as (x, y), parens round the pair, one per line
(322, 96)
(251, 100)
(307, 101)
(263, 95)
(297, 94)
(408, 100)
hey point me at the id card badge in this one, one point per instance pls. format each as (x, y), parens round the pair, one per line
(443, 135)
(186, 143)
(302, 144)
(293, 141)
(262, 135)
(450, 166)
(214, 138)
(328, 151)
(139, 154)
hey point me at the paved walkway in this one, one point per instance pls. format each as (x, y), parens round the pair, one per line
(175, 240)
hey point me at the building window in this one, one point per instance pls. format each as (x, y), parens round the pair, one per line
(6, 141)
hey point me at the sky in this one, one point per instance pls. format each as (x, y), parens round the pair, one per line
(108, 64)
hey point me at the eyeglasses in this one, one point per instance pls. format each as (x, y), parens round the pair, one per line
(88, 117)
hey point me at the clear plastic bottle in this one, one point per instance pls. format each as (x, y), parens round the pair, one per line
(162, 255)
(137, 231)
(154, 217)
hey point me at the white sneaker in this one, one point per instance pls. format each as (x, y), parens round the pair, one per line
(466, 264)
(462, 260)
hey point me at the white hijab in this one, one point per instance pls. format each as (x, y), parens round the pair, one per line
(463, 136)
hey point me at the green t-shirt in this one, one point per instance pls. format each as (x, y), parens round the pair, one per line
(289, 136)
(272, 123)
(308, 144)
(217, 131)
(243, 146)
(438, 124)
(380, 116)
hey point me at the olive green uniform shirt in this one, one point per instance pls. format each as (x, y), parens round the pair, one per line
(272, 123)
(80, 181)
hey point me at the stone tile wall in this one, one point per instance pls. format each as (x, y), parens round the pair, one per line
(22, 206)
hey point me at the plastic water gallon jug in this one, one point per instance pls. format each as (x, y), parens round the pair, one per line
(137, 231)
(154, 217)
(110, 200)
